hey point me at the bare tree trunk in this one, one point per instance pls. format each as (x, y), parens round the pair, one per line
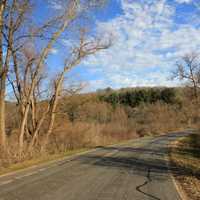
(33, 113)
(37, 128)
(58, 86)
(22, 128)
(2, 81)
(193, 81)
(2, 112)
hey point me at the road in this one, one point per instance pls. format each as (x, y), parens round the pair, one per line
(137, 170)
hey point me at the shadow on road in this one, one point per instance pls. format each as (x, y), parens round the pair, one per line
(148, 158)
(148, 161)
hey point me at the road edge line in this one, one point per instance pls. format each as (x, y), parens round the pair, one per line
(179, 188)
(177, 185)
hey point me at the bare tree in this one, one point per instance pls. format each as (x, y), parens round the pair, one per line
(2, 78)
(188, 69)
(12, 14)
(29, 66)
(84, 49)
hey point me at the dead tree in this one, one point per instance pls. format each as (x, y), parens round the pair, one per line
(188, 69)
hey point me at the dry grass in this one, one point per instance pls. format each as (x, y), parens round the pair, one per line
(186, 156)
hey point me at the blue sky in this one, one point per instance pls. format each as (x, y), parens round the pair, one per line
(149, 36)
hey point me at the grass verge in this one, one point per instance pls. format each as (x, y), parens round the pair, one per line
(185, 156)
(40, 160)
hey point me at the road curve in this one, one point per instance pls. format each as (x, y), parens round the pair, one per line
(136, 170)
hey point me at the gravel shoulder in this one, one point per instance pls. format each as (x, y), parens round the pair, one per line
(185, 155)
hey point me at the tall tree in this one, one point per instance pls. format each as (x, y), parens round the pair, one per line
(2, 78)
(12, 15)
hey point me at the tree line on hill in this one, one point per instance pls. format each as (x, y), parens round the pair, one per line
(135, 97)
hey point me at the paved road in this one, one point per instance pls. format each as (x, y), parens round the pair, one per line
(136, 170)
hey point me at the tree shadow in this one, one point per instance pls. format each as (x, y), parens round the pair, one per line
(192, 150)
(149, 158)
(149, 161)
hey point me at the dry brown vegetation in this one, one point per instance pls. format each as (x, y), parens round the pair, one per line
(185, 156)
(85, 121)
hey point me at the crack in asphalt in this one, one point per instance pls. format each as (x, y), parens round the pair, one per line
(138, 188)
(149, 179)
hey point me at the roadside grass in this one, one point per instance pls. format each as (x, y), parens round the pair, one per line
(185, 155)
(40, 160)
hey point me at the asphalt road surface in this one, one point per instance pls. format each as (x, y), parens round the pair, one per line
(137, 170)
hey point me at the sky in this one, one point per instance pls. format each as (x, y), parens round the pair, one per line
(149, 36)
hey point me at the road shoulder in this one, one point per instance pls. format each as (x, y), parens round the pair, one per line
(184, 156)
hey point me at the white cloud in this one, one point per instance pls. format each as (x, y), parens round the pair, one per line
(94, 85)
(183, 1)
(56, 4)
(54, 51)
(66, 43)
(146, 35)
